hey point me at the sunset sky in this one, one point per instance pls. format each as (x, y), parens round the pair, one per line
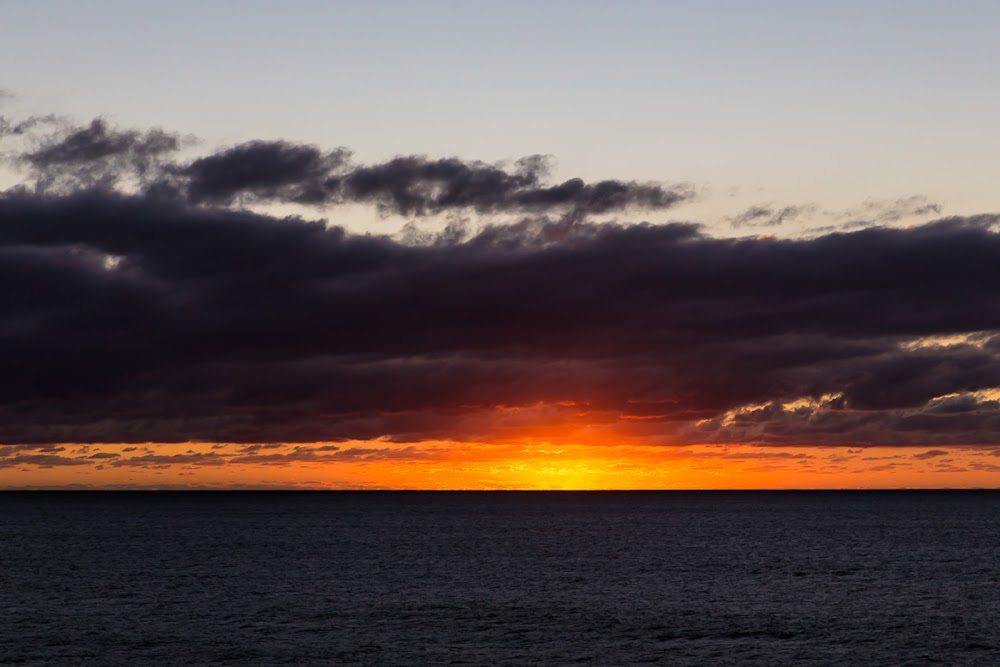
(442, 245)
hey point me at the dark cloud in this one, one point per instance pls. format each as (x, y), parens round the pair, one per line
(140, 305)
(97, 142)
(95, 155)
(100, 155)
(167, 460)
(333, 453)
(253, 449)
(418, 186)
(266, 170)
(930, 454)
(410, 185)
(41, 461)
(136, 319)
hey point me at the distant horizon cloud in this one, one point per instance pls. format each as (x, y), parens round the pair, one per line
(871, 212)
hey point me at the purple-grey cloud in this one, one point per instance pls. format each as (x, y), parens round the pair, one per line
(100, 155)
(160, 312)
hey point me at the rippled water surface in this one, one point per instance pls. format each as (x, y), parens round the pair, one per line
(892, 578)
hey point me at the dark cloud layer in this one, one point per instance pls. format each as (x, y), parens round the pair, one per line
(278, 171)
(413, 185)
(138, 305)
(131, 319)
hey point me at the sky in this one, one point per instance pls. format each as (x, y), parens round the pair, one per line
(522, 245)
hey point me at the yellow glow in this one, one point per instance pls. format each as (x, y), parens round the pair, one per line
(976, 339)
(539, 465)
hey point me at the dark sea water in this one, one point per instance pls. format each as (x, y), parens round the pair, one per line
(803, 578)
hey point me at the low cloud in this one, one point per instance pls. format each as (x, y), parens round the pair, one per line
(162, 460)
(41, 461)
(930, 454)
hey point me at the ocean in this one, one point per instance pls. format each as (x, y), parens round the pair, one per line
(506, 578)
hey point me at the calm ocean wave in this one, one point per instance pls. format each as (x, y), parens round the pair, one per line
(770, 578)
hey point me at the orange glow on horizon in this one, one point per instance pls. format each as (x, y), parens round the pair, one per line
(532, 465)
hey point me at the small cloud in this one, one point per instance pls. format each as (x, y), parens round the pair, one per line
(253, 449)
(42, 461)
(766, 215)
(930, 454)
(165, 461)
(882, 211)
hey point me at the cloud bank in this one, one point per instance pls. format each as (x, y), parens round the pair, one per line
(141, 303)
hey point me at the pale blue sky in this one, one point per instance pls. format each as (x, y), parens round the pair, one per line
(792, 102)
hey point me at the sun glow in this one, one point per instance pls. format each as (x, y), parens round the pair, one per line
(531, 465)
